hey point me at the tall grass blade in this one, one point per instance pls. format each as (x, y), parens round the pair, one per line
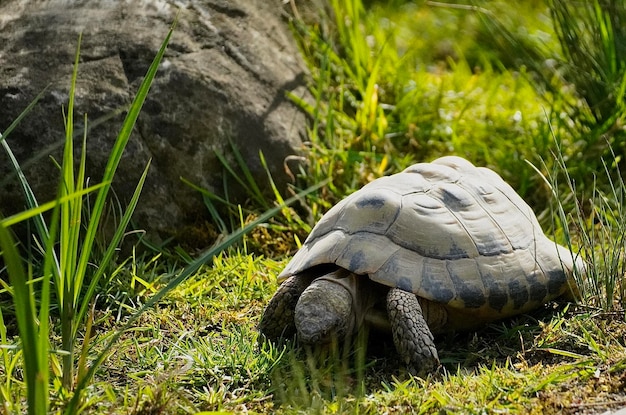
(113, 246)
(39, 209)
(35, 369)
(45, 152)
(116, 154)
(69, 280)
(70, 270)
(31, 200)
(249, 184)
(77, 302)
(291, 218)
(23, 114)
(250, 179)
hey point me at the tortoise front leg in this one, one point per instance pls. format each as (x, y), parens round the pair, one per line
(411, 335)
(278, 318)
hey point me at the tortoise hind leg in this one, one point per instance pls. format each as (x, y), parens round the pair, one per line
(278, 318)
(411, 335)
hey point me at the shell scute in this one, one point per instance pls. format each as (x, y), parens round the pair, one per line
(466, 277)
(368, 211)
(427, 227)
(363, 252)
(518, 293)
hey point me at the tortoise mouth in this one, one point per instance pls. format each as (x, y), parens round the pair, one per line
(311, 332)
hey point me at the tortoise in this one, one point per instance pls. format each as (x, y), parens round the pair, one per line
(441, 246)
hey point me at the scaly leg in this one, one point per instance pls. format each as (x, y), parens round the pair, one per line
(411, 335)
(278, 318)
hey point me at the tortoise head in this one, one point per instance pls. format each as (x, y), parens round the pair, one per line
(325, 311)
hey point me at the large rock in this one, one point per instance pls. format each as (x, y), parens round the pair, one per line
(224, 78)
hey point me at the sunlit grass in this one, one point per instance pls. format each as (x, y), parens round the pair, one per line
(180, 336)
(579, 69)
(198, 351)
(592, 222)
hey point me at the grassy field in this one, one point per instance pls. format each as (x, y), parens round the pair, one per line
(530, 95)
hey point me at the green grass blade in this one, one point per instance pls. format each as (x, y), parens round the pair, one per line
(208, 194)
(23, 114)
(115, 157)
(35, 370)
(69, 284)
(207, 198)
(291, 218)
(565, 353)
(277, 195)
(3, 340)
(112, 248)
(44, 152)
(258, 194)
(29, 195)
(31, 200)
(77, 277)
(70, 211)
(250, 187)
(39, 209)
(5, 379)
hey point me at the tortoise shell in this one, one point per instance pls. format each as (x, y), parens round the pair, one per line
(448, 231)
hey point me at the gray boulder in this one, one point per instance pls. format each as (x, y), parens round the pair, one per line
(224, 79)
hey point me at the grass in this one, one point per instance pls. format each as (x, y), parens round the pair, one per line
(587, 60)
(197, 351)
(157, 335)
